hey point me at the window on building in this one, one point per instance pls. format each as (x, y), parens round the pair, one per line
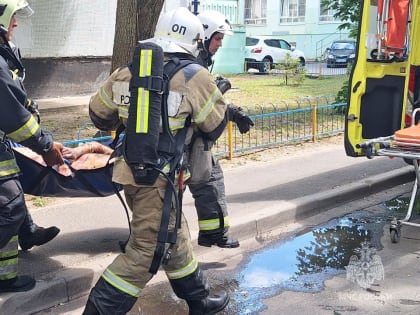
(326, 14)
(292, 11)
(255, 11)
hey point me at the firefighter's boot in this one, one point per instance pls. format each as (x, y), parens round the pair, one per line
(219, 238)
(31, 235)
(18, 284)
(90, 309)
(194, 290)
(107, 299)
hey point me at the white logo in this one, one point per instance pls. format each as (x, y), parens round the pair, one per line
(121, 93)
(365, 267)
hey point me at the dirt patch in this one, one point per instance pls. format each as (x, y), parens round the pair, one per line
(68, 123)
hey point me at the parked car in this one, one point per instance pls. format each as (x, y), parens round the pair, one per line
(262, 52)
(340, 53)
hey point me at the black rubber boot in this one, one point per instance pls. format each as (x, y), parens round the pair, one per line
(106, 299)
(223, 240)
(210, 305)
(18, 284)
(90, 309)
(31, 235)
(37, 237)
(194, 290)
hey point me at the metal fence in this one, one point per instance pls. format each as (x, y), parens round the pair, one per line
(306, 119)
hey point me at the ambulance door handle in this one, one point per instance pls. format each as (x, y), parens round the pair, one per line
(356, 86)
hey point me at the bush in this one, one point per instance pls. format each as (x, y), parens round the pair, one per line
(292, 70)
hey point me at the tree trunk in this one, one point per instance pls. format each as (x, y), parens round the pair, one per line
(135, 20)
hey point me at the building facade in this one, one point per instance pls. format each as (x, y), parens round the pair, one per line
(67, 45)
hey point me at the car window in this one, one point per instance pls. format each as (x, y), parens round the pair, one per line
(342, 45)
(272, 43)
(284, 45)
(251, 41)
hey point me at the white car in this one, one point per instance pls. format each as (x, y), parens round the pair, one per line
(262, 52)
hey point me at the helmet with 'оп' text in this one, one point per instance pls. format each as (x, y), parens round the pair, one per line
(179, 30)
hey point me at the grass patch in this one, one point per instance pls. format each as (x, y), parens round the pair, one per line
(249, 90)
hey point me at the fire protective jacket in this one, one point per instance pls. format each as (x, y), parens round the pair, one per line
(192, 93)
(16, 122)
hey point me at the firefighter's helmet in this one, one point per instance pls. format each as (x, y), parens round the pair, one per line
(214, 22)
(8, 8)
(179, 31)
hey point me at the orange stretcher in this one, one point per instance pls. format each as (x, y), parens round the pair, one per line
(405, 143)
(392, 35)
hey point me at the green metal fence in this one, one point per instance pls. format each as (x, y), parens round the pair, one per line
(306, 119)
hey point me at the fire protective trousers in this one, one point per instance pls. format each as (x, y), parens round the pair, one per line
(131, 269)
(209, 197)
(12, 214)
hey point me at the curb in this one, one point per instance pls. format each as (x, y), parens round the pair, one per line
(72, 283)
(291, 211)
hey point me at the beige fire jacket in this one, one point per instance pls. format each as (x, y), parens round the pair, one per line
(193, 93)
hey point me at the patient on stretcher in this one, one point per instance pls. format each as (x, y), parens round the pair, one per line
(87, 156)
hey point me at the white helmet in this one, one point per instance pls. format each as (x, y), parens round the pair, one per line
(179, 31)
(8, 8)
(214, 22)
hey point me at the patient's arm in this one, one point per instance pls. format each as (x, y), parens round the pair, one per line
(89, 147)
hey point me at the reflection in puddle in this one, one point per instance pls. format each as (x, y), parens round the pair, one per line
(398, 206)
(305, 261)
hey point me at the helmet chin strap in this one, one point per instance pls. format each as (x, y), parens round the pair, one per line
(7, 52)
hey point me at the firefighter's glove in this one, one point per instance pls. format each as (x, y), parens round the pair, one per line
(241, 119)
(223, 84)
(32, 107)
(54, 156)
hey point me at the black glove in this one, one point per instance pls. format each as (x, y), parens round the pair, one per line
(223, 84)
(32, 106)
(241, 119)
(54, 156)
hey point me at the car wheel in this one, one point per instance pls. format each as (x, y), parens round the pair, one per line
(266, 64)
(374, 54)
(301, 62)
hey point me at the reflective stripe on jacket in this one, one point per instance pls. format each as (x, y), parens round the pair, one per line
(16, 122)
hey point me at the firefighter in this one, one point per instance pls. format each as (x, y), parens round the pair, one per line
(207, 181)
(193, 93)
(18, 125)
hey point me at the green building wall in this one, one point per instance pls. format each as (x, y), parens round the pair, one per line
(231, 56)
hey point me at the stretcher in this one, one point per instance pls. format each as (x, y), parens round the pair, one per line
(40, 180)
(393, 35)
(405, 144)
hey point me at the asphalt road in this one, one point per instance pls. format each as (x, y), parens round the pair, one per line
(264, 197)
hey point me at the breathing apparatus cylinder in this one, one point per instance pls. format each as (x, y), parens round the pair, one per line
(140, 144)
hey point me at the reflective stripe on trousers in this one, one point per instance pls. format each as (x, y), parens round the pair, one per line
(9, 259)
(212, 224)
(120, 283)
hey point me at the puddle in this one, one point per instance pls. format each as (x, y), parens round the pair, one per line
(305, 261)
(301, 263)
(398, 206)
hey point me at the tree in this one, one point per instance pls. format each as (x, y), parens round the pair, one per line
(347, 11)
(135, 20)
